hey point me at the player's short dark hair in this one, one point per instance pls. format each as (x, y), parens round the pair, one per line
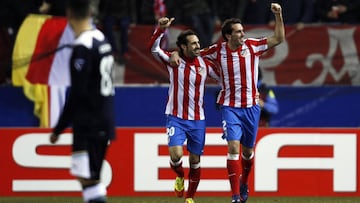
(182, 38)
(80, 8)
(226, 28)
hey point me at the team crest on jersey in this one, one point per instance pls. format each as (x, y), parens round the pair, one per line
(244, 52)
(79, 63)
(199, 69)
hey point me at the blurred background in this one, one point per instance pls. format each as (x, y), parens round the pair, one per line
(314, 75)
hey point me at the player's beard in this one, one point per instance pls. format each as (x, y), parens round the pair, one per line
(241, 40)
(196, 52)
(237, 42)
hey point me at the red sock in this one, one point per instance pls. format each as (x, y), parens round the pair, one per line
(194, 179)
(246, 169)
(233, 168)
(178, 169)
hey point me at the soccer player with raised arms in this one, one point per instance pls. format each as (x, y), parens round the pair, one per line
(184, 108)
(239, 97)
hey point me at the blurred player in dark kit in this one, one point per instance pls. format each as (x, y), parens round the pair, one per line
(90, 104)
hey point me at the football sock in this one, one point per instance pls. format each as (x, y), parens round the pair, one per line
(246, 164)
(95, 193)
(177, 168)
(194, 179)
(233, 168)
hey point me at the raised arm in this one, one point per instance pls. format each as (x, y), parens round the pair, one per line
(155, 40)
(165, 22)
(279, 30)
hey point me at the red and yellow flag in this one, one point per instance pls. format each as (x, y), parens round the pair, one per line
(40, 63)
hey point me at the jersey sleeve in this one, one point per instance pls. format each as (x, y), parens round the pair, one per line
(213, 70)
(210, 52)
(258, 45)
(154, 46)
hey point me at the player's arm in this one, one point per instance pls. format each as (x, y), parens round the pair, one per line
(175, 59)
(279, 30)
(79, 71)
(154, 45)
(64, 119)
(213, 70)
(208, 52)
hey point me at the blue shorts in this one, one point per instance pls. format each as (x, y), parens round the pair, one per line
(241, 124)
(179, 130)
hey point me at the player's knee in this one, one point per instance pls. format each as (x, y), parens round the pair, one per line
(233, 147)
(176, 156)
(247, 153)
(176, 153)
(194, 159)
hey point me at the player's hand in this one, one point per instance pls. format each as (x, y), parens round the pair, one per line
(175, 59)
(53, 138)
(165, 22)
(261, 103)
(275, 8)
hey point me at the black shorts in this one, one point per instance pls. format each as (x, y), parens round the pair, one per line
(95, 146)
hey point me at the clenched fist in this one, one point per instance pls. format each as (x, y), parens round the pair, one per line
(275, 8)
(165, 22)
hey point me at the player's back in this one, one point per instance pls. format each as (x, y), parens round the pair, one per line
(92, 86)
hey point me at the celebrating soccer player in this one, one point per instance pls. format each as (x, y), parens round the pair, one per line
(239, 65)
(184, 109)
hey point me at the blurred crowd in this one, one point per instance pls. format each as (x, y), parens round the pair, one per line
(203, 16)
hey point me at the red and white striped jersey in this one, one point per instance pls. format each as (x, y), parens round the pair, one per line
(187, 81)
(238, 70)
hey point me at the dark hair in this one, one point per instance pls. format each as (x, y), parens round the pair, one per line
(182, 38)
(226, 28)
(80, 8)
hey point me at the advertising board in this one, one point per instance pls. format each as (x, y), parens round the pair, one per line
(288, 162)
